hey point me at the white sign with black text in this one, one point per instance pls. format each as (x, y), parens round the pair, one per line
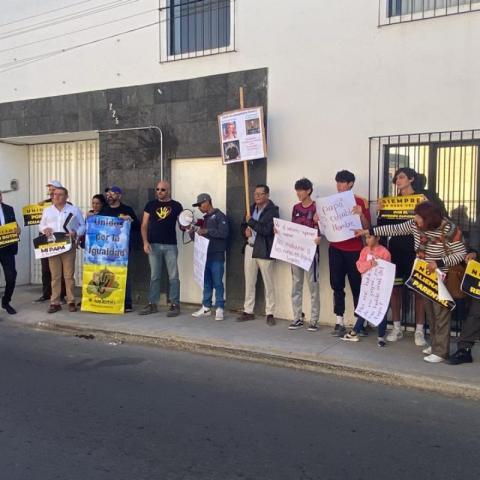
(336, 220)
(200, 250)
(375, 292)
(294, 243)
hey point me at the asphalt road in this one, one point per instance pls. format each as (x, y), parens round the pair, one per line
(82, 409)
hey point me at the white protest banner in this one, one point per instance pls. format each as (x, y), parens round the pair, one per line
(375, 292)
(200, 258)
(242, 135)
(337, 222)
(294, 243)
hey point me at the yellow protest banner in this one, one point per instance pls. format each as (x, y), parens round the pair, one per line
(8, 234)
(400, 207)
(471, 279)
(32, 214)
(103, 289)
(426, 284)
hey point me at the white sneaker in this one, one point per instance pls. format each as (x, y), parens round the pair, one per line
(219, 314)
(420, 338)
(432, 358)
(427, 351)
(202, 312)
(394, 335)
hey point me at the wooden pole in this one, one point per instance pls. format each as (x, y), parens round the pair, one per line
(245, 168)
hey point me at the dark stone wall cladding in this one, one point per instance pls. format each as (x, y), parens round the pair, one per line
(186, 111)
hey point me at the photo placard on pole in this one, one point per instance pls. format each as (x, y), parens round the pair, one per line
(242, 135)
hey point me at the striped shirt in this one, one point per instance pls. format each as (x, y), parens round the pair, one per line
(445, 254)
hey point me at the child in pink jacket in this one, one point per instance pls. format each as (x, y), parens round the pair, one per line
(366, 261)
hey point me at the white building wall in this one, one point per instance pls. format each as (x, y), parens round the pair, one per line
(335, 78)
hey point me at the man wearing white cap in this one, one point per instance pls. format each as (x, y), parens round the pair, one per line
(53, 220)
(46, 274)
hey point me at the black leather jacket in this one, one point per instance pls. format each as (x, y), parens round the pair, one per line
(264, 229)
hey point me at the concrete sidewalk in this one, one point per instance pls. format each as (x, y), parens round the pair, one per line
(400, 363)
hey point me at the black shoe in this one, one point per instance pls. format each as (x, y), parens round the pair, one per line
(270, 320)
(10, 310)
(339, 330)
(295, 325)
(173, 310)
(462, 355)
(128, 309)
(41, 299)
(244, 317)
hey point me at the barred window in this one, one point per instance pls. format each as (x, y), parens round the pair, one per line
(398, 11)
(197, 28)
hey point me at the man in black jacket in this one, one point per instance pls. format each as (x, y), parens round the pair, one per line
(215, 229)
(258, 230)
(7, 258)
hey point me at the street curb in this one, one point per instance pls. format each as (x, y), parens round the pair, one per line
(312, 364)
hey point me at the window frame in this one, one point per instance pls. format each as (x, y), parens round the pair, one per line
(384, 7)
(166, 56)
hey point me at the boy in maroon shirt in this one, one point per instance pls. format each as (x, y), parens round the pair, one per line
(303, 213)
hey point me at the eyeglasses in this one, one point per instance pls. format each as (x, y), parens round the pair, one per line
(161, 189)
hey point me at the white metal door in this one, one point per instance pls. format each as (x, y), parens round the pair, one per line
(189, 178)
(76, 166)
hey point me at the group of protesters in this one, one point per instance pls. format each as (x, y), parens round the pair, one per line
(430, 236)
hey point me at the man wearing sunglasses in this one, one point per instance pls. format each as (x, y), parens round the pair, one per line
(160, 242)
(115, 208)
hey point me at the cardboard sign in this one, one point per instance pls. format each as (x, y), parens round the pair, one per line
(56, 244)
(294, 243)
(400, 207)
(200, 250)
(337, 222)
(242, 135)
(8, 234)
(32, 214)
(471, 279)
(430, 285)
(375, 292)
(105, 264)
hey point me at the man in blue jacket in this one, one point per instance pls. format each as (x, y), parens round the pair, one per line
(7, 258)
(215, 229)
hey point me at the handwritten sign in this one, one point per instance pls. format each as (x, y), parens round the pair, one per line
(400, 207)
(430, 285)
(294, 243)
(32, 214)
(200, 250)
(375, 292)
(337, 222)
(471, 279)
(8, 234)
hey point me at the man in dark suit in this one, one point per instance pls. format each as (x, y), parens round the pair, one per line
(7, 258)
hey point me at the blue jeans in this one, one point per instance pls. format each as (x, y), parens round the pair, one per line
(382, 327)
(214, 280)
(159, 252)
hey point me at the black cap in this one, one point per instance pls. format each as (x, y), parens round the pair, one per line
(203, 197)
